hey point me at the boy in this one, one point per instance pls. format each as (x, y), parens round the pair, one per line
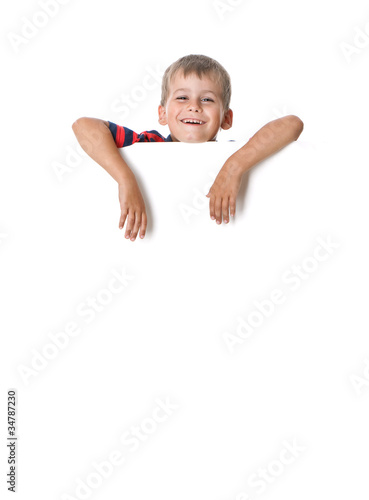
(195, 98)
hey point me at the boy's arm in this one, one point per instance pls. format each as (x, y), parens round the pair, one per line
(274, 136)
(96, 140)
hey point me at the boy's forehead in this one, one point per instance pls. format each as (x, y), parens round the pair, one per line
(192, 80)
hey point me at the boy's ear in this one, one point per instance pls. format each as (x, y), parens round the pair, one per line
(227, 120)
(162, 116)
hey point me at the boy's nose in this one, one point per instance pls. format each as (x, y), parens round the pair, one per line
(193, 106)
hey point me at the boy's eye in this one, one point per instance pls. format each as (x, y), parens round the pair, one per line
(181, 98)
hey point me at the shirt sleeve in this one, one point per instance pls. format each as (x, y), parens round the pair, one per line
(124, 136)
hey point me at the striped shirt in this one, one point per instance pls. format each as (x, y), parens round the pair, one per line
(124, 136)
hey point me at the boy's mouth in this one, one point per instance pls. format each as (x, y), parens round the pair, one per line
(192, 121)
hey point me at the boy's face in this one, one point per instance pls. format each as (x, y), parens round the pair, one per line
(192, 98)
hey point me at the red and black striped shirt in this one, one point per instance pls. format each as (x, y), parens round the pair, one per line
(124, 136)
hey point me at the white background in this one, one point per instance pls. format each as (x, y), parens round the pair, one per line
(162, 336)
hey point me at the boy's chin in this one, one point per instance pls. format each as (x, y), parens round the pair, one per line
(194, 140)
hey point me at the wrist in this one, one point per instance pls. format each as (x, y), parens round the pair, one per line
(125, 175)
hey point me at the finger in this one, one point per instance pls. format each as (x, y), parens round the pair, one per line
(130, 224)
(212, 207)
(136, 227)
(232, 204)
(122, 220)
(225, 209)
(143, 225)
(218, 210)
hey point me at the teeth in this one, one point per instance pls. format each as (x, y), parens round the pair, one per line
(193, 121)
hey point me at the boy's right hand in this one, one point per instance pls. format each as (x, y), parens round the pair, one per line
(132, 208)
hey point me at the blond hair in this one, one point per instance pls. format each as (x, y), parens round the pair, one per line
(200, 65)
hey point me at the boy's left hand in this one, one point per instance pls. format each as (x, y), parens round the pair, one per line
(223, 192)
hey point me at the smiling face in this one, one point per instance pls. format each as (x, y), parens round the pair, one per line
(194, 109)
